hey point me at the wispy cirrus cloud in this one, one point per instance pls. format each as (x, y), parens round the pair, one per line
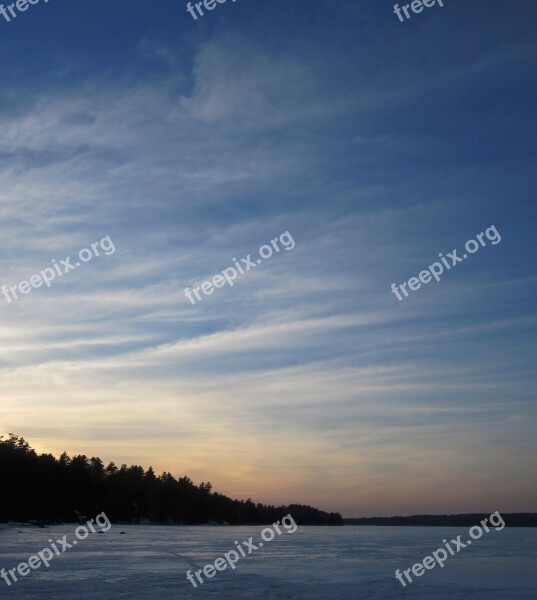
(228, 143)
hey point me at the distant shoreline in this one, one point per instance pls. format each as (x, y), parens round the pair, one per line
(463, 520)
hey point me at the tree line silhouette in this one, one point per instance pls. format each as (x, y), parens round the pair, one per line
(463, 520)
(43, 488)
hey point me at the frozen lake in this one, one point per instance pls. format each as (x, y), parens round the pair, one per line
(312, 563)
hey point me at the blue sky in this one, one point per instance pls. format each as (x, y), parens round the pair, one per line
(377, 145)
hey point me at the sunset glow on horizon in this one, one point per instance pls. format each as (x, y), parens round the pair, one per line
(192, 143)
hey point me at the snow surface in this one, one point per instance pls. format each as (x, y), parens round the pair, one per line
(332, 563)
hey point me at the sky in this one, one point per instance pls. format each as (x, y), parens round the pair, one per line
(376, 144)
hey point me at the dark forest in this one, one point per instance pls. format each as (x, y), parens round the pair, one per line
(45, 489)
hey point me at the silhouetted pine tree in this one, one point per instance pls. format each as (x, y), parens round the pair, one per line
(44, 488)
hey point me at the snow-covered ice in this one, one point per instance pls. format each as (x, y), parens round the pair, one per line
(340, 563)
